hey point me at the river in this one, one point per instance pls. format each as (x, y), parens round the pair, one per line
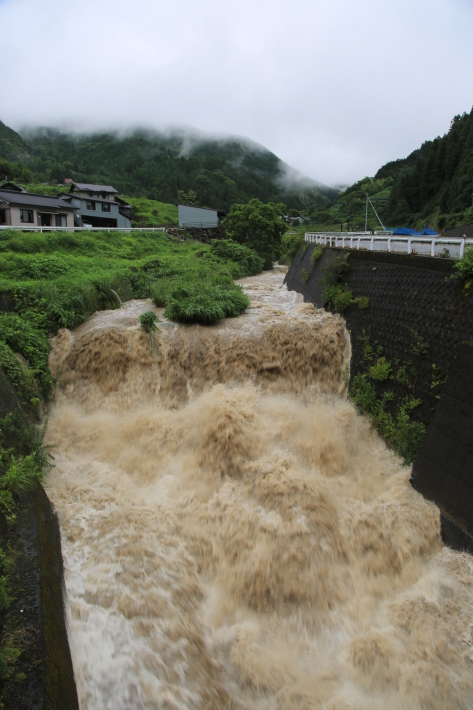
(234, 534)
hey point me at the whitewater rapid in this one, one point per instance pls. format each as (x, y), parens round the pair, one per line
(234, 535)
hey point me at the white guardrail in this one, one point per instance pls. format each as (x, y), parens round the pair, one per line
(431, 246)
(83, 229)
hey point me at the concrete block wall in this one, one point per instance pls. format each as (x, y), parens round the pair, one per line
(415, 297)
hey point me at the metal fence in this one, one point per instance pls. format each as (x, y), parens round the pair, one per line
(427, 246)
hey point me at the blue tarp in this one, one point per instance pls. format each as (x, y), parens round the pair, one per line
(405, 231)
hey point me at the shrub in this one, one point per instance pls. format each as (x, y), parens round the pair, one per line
(159, 293)
(305, 275)
(247, 259)
(363, 302)
(291, 243)
(381, 371)
(400, 432)
(419, 347)
(148, 321)
(464, 267)
(22, 474)
(205, 303)
(316, 255)
(19, 336)
(333, 272)
(337, 297)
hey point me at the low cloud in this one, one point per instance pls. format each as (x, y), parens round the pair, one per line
(334, 89)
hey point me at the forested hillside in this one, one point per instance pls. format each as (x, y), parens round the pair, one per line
(436, 181)
(170, 168)
(433, 186)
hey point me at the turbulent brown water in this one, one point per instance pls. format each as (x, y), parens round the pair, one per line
(234, 535)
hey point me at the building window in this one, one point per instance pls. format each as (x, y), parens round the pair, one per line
(61, 220)
(26, 216)
(105, 207)
(3, 217)
(90, 204)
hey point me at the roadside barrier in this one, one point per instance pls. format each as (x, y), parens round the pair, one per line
(429, 246)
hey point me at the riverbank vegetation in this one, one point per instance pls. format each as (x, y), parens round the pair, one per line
(258, 226)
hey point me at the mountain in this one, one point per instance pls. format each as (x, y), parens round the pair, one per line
(433, 186)
(171, 167)
(436, 181)
(12, 145)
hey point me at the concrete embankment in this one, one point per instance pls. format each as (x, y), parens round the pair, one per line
(421, 321)
(44, 677)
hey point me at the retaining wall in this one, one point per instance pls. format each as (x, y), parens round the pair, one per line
(420, 319)
(44, 677)
(39, 666)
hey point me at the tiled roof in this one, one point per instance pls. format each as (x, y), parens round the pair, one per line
(25, 198)
(94, 188)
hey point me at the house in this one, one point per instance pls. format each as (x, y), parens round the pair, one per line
(19, 208)
(199, 217)
(97, 205)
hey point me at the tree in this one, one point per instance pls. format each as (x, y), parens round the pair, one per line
(258, 226)
(189, 198)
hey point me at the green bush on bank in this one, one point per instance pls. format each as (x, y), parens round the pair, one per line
(400, 432)
(148, 321)
(205, 303)
(337, 298)
(247, 259)
(464, 267)
(290, 244)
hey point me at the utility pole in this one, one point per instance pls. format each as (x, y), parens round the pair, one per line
(366, 218)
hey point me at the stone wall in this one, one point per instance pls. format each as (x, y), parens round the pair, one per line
(419, 319)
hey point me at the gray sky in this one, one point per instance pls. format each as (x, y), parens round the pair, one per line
(335, 88)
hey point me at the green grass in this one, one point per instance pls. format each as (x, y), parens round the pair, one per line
(148, 321)
(151, 213)
(247, 259)
(206, 303)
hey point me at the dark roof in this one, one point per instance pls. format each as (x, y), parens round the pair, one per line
(20, 198)
(93, 188)
(459, 232)
(12, 187)
(122, 202)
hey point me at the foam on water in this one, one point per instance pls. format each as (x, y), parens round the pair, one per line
(234, 535)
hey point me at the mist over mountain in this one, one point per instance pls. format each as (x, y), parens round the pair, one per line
(178, 165)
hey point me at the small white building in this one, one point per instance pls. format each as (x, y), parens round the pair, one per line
(199, 217)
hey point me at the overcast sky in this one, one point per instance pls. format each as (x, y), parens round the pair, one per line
(336, 88)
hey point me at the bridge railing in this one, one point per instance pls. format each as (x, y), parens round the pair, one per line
(390, 242)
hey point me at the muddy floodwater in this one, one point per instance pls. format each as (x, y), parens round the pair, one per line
(234, 535)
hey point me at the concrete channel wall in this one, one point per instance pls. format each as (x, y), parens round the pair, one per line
(40, 673)
(413, 300)
(37, 611)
